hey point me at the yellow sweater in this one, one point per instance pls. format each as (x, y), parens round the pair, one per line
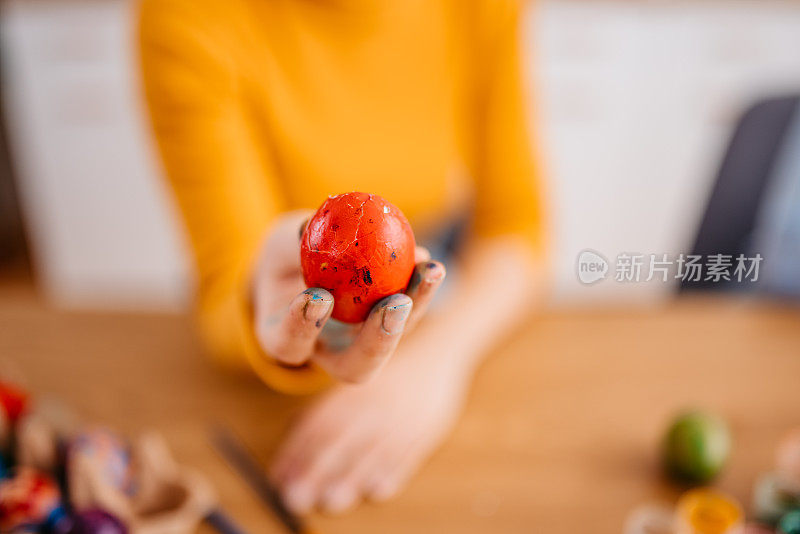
(261, 106)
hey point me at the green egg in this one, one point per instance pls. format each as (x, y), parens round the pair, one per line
(696, 447)
(790, 523)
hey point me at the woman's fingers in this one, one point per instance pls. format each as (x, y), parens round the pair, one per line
(289, 336)
(391, 475)
(322, 446)
(427, 278)
(303, 469)
(373, 345)
(344, 491)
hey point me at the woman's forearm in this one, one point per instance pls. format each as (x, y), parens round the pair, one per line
(498, 284)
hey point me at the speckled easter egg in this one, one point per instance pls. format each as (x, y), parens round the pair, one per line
(359, 247)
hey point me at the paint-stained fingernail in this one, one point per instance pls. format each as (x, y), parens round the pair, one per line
(430, 273)
(395, 314)
(434, 271)
(318, 305)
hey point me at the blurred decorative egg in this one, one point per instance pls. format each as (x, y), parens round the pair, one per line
(93, 521)
(29, 498)
(696, 447)
(109, 452)
(772, 499)
(790, 523)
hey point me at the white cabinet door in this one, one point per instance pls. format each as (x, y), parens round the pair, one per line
(100, 222)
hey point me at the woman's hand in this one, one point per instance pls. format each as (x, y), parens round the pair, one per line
(290, 320)
(366, 441)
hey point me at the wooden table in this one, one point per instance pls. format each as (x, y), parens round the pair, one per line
(560, 433)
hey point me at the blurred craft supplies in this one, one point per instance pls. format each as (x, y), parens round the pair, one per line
(62, 477)
(697, 443)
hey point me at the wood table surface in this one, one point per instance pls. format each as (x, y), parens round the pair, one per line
(560, 433)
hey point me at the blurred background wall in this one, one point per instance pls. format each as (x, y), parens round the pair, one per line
(635, 101)
(99, 224)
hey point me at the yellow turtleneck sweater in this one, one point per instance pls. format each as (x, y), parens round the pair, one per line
(261, 106)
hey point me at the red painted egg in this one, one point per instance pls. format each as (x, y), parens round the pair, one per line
(360, 248)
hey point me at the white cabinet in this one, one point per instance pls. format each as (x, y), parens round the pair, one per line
(101, 225)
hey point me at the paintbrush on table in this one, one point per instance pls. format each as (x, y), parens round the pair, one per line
(222, 522)
(245, 464)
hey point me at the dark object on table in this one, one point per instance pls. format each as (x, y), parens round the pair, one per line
(223, 523)
(244, 463)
